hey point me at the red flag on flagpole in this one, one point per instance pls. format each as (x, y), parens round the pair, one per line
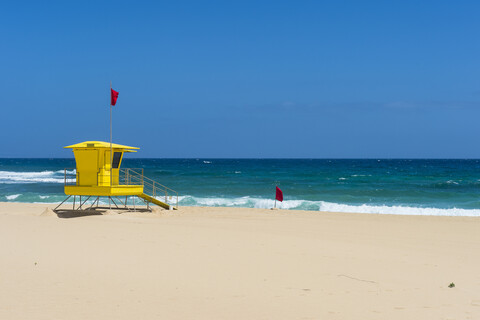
(114, 96)
(279, 195)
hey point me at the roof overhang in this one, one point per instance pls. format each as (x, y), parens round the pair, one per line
(101, 145)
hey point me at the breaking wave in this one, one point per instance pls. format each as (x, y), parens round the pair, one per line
(250, 202)
(33, 176)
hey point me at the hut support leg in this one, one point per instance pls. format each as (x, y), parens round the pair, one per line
(114, 202)
(124, 204)
(93, 203)
(62, 202)
(82, 203)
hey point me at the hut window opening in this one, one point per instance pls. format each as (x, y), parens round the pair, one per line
(117, 156)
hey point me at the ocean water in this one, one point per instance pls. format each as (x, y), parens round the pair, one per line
(425, 187)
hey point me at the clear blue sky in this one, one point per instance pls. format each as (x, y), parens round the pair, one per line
(316, 79)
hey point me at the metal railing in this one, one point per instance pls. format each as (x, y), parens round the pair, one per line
(70, 176)
(135, 176)
(132, 176)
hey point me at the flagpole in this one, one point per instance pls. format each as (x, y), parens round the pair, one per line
(109, 203)
(111, 155)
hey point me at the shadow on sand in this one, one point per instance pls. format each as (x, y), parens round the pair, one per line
(96, 211)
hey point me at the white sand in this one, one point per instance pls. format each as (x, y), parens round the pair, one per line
(225, 263)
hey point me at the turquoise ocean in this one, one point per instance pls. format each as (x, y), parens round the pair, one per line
(425, 187)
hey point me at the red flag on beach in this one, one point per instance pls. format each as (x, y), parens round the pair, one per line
(279, 195)
(114, 96)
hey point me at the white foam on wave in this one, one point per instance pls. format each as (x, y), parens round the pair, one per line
(399, 210)
(170, 197)
(74, 171)
(220, 202)
(250, 202)
(452, 182)
(33, 176)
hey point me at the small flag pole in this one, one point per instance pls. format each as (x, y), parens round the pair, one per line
(275, 205)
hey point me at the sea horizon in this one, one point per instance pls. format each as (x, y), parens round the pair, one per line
(258, 158)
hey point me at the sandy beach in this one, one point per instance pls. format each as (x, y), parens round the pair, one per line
(234, 263)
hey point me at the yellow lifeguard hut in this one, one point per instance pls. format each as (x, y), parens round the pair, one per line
(98, 174)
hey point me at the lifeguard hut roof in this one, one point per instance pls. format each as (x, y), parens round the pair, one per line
(101, 145)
